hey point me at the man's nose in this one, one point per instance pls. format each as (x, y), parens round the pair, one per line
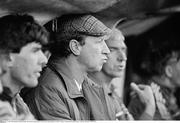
(122, 56)
(105, 49)
(43, 59)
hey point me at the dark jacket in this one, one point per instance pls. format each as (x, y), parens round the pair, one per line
(57, 97)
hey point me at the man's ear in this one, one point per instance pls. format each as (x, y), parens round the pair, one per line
(75, 47)
(169, 71)
(11, 59)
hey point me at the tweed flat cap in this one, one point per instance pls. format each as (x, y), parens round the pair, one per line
(68, 25)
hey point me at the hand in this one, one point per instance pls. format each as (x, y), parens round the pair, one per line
(144, 92)
(146, 96)
(158, 95)
(6, 111)
(160, 101)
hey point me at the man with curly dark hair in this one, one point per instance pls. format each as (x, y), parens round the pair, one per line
(22, 39)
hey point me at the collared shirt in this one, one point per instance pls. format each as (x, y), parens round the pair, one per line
(78, 85)
(57, 96)
(123, 113)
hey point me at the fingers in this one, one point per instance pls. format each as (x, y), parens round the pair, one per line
(145, 93)
(135, 87)
(138, 88)
(155, 88)
(158, 95)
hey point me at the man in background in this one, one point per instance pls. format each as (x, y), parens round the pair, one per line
(159, 67)
(114, 67)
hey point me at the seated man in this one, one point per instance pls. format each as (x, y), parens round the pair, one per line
(113, 68)
(159, 65)
(22, 38)
(64, 91)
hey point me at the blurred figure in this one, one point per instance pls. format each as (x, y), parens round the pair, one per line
(114, 67)
(159, 65)
(22, 38)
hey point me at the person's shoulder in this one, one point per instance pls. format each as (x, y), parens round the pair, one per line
(48, 77)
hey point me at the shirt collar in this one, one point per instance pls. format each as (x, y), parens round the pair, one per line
(78, 85)
(61, 67)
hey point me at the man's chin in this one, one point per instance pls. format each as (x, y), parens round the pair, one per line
(97, 69)
(118, 75)
(32, 84)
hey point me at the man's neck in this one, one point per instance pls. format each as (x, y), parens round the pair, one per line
(100, 78)
(13, 86)
(77, 71)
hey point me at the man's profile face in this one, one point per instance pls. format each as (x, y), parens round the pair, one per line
(116, 62)
(94, 53)
(27, 65)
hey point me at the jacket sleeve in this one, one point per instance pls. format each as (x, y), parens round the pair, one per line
(50, 104)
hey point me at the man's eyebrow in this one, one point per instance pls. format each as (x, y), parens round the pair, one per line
(114, 47)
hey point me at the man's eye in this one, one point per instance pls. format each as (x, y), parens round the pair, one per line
(111, 49)
(100, 40)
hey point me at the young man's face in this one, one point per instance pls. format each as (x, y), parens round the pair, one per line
(27, 65)
(94, 53)
(116, 62)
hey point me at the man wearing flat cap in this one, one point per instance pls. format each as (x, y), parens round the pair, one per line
(64, 91)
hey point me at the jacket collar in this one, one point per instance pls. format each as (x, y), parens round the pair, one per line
(4, 96)
(61, 67)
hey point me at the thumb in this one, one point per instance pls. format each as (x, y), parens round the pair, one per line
(135, 88)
